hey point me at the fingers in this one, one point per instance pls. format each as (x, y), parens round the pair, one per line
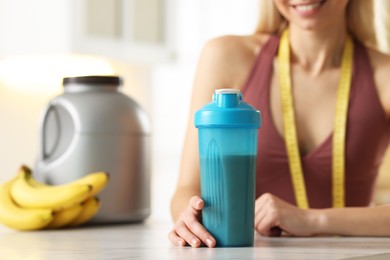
(259, 219)
(260, 213)
(195, 235)
(196, 203)
(189, 230)
(183, 232)
(198, 229)
(193, 232)
(268, 226)
(175, 239)
(267, 218)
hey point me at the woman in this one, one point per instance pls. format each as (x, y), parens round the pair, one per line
(316, 41)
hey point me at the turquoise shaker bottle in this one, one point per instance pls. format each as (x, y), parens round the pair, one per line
(227, 135)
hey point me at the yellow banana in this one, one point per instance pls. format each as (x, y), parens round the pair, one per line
(18, 218)
(66, 216)
(98, 181)
(90, 208)
(46, 197)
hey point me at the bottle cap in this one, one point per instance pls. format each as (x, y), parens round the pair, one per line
(227, 110)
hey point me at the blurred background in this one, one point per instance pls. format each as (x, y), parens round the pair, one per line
(153, 44)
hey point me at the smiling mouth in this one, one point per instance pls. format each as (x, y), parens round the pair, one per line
(307, 7)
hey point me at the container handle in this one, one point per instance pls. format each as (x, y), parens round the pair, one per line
(51, 109)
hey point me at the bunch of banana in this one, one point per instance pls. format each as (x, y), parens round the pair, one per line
(26, 204)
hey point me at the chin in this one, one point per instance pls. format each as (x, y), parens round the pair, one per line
(307, 25)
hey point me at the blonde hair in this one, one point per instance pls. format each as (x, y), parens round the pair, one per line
(382, 24)
(360, 20)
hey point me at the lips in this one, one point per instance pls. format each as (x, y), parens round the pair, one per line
(307, 8)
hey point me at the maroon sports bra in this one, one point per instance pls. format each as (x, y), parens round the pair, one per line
(367, 138)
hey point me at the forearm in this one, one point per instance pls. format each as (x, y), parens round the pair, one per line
(180, 201)
(373, 221)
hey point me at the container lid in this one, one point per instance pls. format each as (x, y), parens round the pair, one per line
(227, 110)
(98, 80)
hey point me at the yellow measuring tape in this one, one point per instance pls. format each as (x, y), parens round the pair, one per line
(340, 124)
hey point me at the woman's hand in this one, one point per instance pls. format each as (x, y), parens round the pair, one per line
(273, 215)
(188, 229)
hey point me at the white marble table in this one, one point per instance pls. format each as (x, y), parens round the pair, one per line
(149, 241)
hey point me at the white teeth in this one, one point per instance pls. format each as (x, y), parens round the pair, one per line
(307, 7)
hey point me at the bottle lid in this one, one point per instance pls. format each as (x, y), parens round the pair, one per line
(98, 80)
(227, 110)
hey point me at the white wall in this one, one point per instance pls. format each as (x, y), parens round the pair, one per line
(39, 26)
(44, 26)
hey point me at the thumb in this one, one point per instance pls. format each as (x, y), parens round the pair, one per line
(196, 203)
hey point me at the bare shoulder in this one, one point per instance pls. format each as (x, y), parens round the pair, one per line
(231, 57)
(380, 64)
(225, 62)
(234, 44)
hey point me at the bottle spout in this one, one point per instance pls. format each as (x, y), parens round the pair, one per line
(226, 98)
